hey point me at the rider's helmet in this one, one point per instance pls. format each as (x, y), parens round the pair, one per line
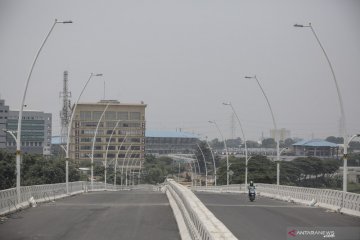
(251, 183)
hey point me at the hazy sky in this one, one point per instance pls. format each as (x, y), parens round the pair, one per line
(184, 58)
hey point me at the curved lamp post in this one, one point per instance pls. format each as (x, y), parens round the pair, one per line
(206, 172)
(18, 138)
(12, 133)
(242, 131)
(127, 168)
(275, 128)
(107, 149)
(116, 159)
(278, 165)
(227, 155)
(195, 174)
(212, 155)
(122, 167)
(343, 125)
(199, 175)
(67, 150)
(93, 145)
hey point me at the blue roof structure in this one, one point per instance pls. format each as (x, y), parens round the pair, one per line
(315, 143)
(169, 134)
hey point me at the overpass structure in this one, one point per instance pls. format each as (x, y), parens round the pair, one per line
(173, 211)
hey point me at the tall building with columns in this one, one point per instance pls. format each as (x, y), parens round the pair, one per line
(116, 130)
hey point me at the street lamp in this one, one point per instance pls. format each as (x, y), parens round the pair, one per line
(18, 138)
(93, 145)
(346, 145)
(12, 133)
(107, 149)
(242, 131)
(122, 167)
(226, 151)
(343, 121)
(278, 166)
(116, 159)
(274, 122)
(199, 175)
(212, 155)
(206, 172)
(67, 150)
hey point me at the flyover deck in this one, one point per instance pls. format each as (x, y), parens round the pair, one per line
(267, 218)
(98, 215)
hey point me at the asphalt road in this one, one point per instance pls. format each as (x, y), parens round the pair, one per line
(272, 219)
(97, 215)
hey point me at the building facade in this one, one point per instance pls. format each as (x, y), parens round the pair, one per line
(167, 142)
(116, 129)
(36, 131)
(4, 113)
(316, 148)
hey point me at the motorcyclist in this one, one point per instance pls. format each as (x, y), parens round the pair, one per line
(251, 187)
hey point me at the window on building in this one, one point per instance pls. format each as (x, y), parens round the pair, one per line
(135, 147)
(86, 147)
(122, 115)
(111, 140)
(110, 115)
(96, 115)
(111, 124)
(110, 131)
(122, 132)
(85, 115)
(135, 116)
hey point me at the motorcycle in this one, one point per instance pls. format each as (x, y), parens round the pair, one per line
(252, 194)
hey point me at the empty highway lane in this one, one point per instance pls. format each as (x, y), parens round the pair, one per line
(96, 215)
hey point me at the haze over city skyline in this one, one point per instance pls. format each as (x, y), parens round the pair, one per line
(185, 58)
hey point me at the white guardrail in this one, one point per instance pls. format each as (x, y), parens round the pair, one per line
(192, 216)
(348, 203)
(50, 192)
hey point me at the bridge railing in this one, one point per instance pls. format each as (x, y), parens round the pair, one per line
(49, 192)
(199, 221)
(332, 199)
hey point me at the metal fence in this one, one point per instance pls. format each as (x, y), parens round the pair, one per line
(333, 199)
(40, 193)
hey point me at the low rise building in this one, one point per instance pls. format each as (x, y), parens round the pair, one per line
(316, 148)
(167, 142)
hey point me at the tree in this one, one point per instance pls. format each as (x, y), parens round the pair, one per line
(216, 144)
(7, 170)
(268, 143)
(233, 143)
(252, 144)
(288, 143)
(337, 140)
(260, 170)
